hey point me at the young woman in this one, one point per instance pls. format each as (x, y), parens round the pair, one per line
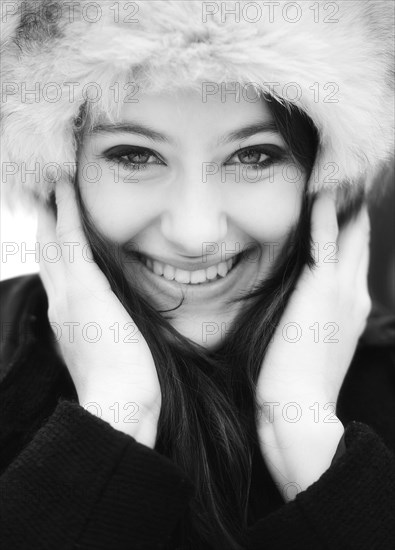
(194, 367)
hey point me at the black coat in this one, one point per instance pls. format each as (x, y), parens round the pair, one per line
(68, 480)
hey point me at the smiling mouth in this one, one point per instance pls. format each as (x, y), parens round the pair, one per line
(197, 277)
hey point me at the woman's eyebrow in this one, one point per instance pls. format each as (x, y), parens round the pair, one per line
(248, 131)
(129, 128)
(146, 131)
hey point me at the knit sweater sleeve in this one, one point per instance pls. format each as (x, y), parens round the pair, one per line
(352, 505)
(82, 484)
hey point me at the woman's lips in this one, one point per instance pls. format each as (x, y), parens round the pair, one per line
(242, 274)
(200, 274)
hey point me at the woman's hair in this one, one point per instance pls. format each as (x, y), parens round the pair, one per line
(207, 424)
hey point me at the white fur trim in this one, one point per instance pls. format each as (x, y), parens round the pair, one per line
(173, 45)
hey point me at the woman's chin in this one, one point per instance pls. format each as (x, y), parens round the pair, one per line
(208, 331)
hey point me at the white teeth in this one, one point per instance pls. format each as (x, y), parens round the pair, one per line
(198, 276)
(150, 264)
(211, 272)
(190, 277)
(182, 276)
(169, 272)
(222, 269)
(158, 267)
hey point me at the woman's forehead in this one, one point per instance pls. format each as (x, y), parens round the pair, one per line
(162, 114)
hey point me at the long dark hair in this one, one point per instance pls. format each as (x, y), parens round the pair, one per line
(207, 424)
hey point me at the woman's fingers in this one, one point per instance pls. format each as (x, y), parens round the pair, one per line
(81, 268)
(361, 278)
(69, 228)
(323, 218)
(324, 228)
(51, 270)
(353, 240)
(363, 267)
(345, 250)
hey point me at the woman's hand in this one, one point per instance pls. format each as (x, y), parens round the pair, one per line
(312, 348)
(108, 359)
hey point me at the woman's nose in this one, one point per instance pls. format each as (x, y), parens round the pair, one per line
(194, 217)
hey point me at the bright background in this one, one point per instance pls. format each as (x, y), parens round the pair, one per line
(17, 234)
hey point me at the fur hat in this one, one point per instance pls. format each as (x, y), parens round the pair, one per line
(333, 60)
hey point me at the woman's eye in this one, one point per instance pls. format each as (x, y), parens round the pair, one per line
(255, 157)
(136, 158)
(252, 156)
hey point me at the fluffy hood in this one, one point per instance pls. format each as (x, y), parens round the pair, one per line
(333, 60)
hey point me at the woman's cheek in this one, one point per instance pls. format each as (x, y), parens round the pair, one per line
(268, 211)
(117, 209)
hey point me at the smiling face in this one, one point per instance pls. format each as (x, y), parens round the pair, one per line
(190, 185)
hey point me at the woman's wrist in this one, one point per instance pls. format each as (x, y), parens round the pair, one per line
(126, 416)
(298, 446)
